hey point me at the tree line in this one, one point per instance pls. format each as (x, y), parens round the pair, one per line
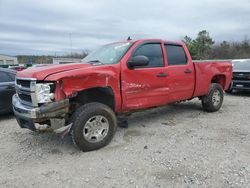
(204, 47)
(201, 48)
(48, 59)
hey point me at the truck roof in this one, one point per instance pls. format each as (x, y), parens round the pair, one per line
(153, 40)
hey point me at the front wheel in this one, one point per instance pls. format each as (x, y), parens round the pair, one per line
(212, 102)
(94, 125)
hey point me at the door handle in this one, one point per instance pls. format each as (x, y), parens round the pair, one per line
(188, 71)
(162, 75)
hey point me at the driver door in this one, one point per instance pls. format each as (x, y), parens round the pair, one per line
(145, 86)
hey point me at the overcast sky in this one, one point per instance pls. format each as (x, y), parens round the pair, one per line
(44, 26)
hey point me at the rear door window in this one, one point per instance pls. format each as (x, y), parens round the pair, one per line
(175, 55)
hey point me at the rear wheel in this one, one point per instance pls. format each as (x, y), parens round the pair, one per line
(94, 125)
(212, 102)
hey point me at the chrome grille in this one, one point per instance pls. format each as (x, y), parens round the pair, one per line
(25, 88)
(23, 83)
(241, 76)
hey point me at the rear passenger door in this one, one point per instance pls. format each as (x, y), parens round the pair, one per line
(181, 71)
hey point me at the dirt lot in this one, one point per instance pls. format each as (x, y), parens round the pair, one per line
(173, 146)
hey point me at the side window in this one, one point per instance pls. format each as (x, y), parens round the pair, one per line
(153, 52)
(4, 77)
(12, 76)
(176, 55)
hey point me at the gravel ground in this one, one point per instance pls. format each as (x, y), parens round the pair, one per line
(174, 146)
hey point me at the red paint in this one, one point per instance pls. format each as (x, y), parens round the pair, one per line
(136, 88)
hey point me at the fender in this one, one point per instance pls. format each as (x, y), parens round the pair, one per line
(72, 81)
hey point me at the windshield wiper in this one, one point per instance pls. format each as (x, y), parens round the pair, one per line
(95, 62)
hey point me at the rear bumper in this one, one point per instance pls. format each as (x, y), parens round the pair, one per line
(27, 116)
(240, 85)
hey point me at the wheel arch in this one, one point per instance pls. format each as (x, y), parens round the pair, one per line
(104, 95)
(219, 79)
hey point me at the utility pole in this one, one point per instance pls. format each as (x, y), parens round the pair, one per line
(70, 44)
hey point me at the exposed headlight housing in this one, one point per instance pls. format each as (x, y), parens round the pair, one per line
(43, 93)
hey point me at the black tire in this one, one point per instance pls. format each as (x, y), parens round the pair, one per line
(83, 115)
(230, 90)
(122, 122)
(209, 104)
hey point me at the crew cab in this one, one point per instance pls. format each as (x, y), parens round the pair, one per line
(116, 79)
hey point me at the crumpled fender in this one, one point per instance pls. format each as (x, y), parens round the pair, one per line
(72, 81)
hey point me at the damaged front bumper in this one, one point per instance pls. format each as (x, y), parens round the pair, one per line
(27, 116)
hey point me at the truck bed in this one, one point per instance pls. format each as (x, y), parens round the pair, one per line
(210, 70)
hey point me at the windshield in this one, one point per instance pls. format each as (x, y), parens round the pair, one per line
(108, 54)
(241, 65)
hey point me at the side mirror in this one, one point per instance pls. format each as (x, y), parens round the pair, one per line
(138, 61)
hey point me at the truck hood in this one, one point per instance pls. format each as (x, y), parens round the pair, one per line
(40, 73)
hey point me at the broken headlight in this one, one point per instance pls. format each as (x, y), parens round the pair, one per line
(43, 92)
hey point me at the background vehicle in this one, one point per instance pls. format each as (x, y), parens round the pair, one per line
(241, 75)
(17, 68)
(38, 65)
(7, 89)
(118, 78)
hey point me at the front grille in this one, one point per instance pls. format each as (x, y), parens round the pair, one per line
(26, 91)
(241, 76)
(241, 84)
(24, 97)
(23, 83)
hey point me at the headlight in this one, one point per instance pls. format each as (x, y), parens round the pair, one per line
(43, 94)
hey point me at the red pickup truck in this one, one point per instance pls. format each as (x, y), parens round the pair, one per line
(116, 79)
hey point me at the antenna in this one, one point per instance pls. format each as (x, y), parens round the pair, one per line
(129, 38)
(70, 44)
